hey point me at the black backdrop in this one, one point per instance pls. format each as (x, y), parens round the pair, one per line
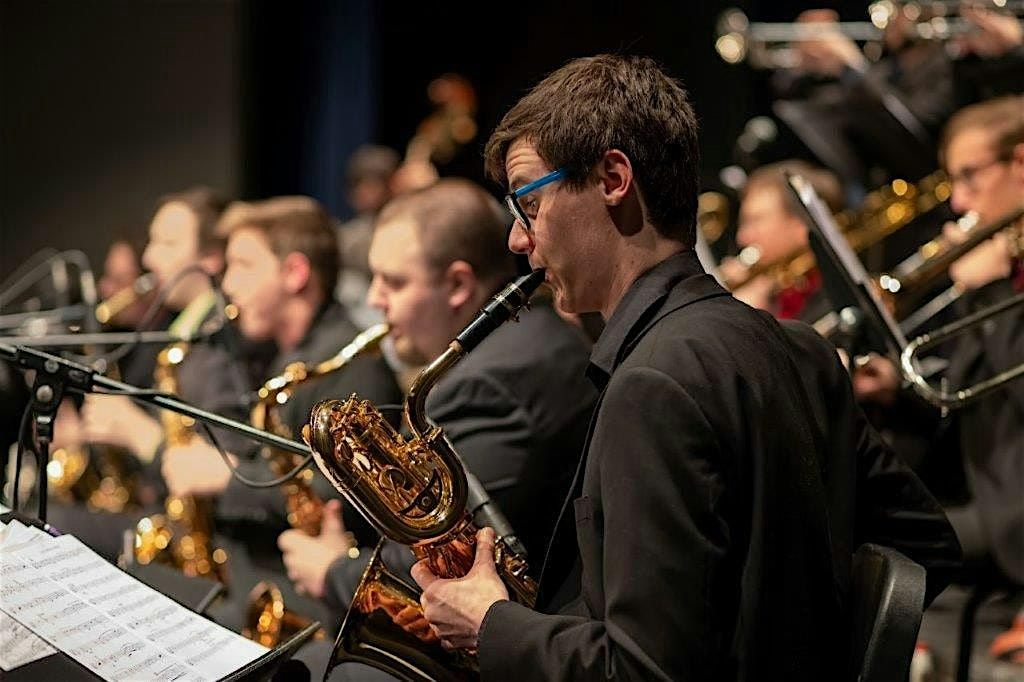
(107, 104)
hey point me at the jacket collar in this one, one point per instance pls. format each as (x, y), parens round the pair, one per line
(675, 282)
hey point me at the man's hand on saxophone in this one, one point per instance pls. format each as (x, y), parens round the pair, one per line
(116, 420)
(195, 469)
(456, 608)
(307, 557)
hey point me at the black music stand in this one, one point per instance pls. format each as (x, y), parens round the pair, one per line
(848, 284)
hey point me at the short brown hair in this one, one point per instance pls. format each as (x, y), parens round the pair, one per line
(291, 224)
(458, 220)
(207, 205)
(1003, 116)
(629, 103)
(773, 175)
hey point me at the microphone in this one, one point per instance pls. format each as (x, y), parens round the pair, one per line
(486, 513)
(54, 265)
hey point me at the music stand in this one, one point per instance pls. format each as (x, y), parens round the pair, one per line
(848, 284)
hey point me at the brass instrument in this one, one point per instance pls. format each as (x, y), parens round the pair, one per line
(99, 476)
(912, 278)
(883, 212)
(415, 492)
(766, 45)
(109, 309)
(182, 536)
(959, 397)
(268, 622)
(267, 619)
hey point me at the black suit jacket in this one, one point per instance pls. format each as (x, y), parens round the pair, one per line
(991, 429)
(260, 515)
(516, 410)
(715, 512)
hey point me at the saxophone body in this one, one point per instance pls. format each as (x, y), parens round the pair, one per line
(268, 621)
(414, 491)
(181, 537)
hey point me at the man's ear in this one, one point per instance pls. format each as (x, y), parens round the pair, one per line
(615, 172)
(460, 282)
(295, 272)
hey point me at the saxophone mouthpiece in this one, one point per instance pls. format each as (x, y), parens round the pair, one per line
(504, 306)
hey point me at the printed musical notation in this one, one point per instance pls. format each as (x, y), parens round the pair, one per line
(119, 628)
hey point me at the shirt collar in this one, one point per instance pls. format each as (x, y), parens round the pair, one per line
(640, 307)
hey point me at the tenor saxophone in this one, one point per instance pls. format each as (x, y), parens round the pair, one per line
(182, 536)
(414, 492)
(268, 621)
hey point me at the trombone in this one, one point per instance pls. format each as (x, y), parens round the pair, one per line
(883, 212)
(912, 277)
(960, 397)
(925, 268)
(111, 307)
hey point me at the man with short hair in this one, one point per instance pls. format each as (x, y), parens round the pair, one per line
(717, 504)
(982, 149)
(772, 224)
(515, 409)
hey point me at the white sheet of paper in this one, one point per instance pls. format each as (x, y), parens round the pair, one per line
(80, 630)
(212, 649)
(115, 625)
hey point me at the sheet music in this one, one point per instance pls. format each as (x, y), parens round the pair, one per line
(115, 625)
(19, 645)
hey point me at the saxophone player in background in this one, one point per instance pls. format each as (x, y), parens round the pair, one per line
(282, 266)
(183, 253)
(515, 409)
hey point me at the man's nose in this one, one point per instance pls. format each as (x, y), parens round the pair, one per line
(959, 201)
(374, 295)
(519, 240)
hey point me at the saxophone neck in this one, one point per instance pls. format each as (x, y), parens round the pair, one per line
(416, 399)
(505, 305)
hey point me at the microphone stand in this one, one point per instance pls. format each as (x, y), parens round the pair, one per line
(98, 339)
(55, 375)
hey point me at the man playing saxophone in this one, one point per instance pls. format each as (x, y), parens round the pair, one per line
(515, 409)
(709, 531)
(183, 252)
(282, 265)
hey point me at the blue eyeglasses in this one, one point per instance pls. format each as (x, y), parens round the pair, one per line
(512, 198)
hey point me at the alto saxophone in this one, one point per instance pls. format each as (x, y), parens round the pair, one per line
(182, 536)
(415, 493)
(99, 475)
(267, 619)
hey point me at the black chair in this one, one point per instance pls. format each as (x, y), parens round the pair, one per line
(887, 599)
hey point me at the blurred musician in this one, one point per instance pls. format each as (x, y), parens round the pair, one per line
(771, 222)
(282, 266)
(183, 252)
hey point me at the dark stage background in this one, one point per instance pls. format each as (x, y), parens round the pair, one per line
(105, 105)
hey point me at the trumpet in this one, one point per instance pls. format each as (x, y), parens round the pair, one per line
(883, 212)
(960, 397)
(108, 309)
(766, 44)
